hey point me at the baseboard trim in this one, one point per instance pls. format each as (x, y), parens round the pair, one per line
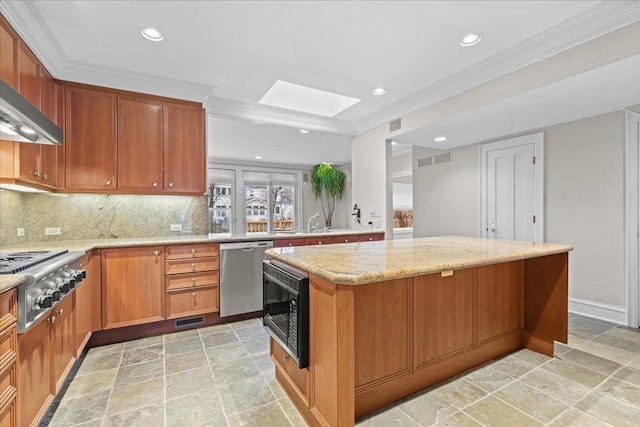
(597, 310)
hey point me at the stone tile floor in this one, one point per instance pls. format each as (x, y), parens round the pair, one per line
(222, 376)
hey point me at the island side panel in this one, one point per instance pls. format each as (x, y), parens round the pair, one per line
(546, 302)
(383, 329)
(331, 357)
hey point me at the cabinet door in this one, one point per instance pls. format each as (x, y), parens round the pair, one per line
(87, 296)
(90, 140)
(47, 94)
(49, 164)
(184, 149)
(444, 313)
(63, 341)
(8, 46)
(139, 145)
(28, 74)
(30, 162)
(34, 358)
(132, 286)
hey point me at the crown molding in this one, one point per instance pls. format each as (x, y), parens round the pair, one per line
(83, 72)
(229, 109)
(594, 22)
(25, 18)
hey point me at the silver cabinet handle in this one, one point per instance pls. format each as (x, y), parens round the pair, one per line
(52, 319)
(60, 312)
(36, 174)
(44, 175)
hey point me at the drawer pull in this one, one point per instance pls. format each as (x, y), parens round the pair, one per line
(156, 253)
(193, 294)
(60, 312)
(285, 357)
(193, 251)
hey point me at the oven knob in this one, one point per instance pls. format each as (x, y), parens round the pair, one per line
(79, 276)
(64, 287)
(55, 295)
(84, 274)
(43, 301)
(72, 283)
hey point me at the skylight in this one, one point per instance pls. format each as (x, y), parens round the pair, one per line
(306, 99)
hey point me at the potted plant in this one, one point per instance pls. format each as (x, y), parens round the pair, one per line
(327, 184)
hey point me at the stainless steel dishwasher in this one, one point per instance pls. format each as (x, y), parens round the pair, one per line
(241, 276)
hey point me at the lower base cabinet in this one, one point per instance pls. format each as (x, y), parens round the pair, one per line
(8, 357)
(34, 384)
(192, 302)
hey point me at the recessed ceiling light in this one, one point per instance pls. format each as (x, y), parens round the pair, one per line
(379, 91)
(258, 157)
(470, 40)
(440, 139)
(152, 34)
(306, 99)
(27, 129)
(393, 143)
(303, 131)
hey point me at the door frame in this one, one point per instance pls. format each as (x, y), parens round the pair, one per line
(538, 140)
(632, 220)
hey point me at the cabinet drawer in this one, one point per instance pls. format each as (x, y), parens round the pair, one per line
(8, 308)
(280, 243)
(319, 241)
(191, 302)
(371, 237)
(181, 266)
(192, 280)
(299, 376)
(8, 348)
(8, 410)
(192, 251)
(8, 384)
(345, 239)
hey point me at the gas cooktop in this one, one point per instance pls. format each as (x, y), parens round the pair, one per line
(19, 261)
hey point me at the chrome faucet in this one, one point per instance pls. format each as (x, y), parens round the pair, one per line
(311, 218)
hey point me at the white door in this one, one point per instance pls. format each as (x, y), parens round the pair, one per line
(512, 207)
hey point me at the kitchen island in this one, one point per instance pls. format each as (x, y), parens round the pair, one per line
(389, 318)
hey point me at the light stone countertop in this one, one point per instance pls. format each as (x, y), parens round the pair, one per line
(366, 262)
(10, 281)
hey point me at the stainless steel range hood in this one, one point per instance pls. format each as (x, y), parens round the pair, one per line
(21, 121)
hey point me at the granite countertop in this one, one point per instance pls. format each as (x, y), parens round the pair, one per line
(366, 262)
(87, 245)
(10, 281)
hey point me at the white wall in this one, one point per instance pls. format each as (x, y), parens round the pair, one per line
(371, 171)
(584, 199)
(446, 197)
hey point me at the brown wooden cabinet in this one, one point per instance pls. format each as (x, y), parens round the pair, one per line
(192, 281)
(34, 385)
(38, 163)
(8, 357)
(132, 286)
(140, 153)
(320, 240)
(47, 89)
(28, 75)
(88, 295)
(63, 340)
(281, 243)
(8, 50)
(370, 237)
(184, 149)
(445, 315)
(345, 239)
(90, 140)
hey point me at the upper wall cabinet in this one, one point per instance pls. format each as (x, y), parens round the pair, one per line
(132, 143)
(184, 149)
(28, 75)
(90, 140)
(8, 47)
(139, 145)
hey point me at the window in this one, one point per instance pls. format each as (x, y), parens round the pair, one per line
(268, 198)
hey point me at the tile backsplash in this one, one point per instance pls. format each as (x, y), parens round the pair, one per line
(92, 216)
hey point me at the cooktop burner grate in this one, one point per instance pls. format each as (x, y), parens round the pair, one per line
(19, 261)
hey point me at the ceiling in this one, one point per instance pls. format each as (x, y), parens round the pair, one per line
(227, 54)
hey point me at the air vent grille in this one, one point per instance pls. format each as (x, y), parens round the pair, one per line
(443, 158)
(188, 321)
(395, 125)
(427, 161)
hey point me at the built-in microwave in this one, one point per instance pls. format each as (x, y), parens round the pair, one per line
(286, 309)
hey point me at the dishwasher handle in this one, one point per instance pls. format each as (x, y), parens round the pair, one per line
(265, 244)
